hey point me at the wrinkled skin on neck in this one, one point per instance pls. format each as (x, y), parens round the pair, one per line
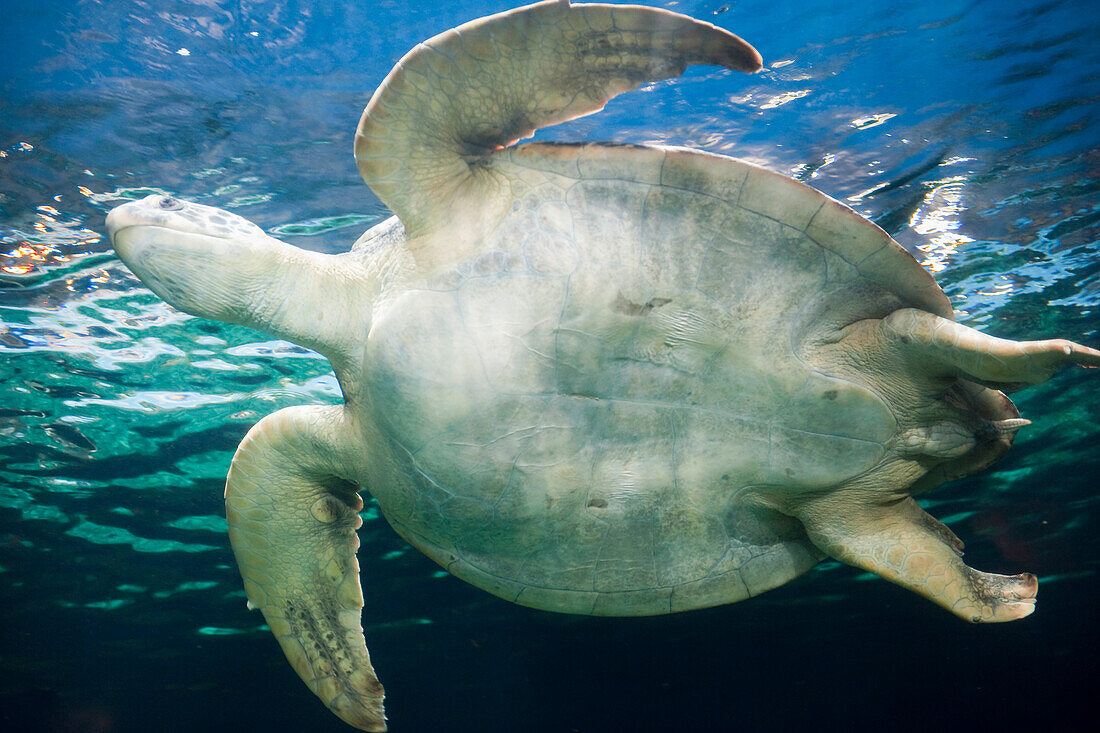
(214, 264)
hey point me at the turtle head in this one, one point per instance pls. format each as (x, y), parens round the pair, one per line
(202, 260)
(214, 264)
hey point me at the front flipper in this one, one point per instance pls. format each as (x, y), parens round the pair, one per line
(903, 544)
(292, 523)
(457, 97)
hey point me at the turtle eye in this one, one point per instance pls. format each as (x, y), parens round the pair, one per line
(168, 203)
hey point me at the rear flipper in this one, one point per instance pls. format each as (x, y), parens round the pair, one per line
(292, 525)
(905, 545)
(967, 353)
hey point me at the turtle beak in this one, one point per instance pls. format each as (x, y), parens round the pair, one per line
(153, 210)
(123, 222)
(129, 214)
(117, 220)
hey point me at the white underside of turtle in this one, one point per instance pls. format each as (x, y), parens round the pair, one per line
(598, 379)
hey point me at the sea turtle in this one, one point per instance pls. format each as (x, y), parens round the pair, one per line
(598, 379)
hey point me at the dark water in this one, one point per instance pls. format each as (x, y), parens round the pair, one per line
(966, 129)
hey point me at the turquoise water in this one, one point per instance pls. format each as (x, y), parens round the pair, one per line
(966, 129)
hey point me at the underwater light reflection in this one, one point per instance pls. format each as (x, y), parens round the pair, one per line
(938, 219)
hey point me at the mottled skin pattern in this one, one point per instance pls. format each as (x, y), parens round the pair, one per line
(598, 379)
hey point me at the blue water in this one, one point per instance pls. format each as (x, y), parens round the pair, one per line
(967, 129)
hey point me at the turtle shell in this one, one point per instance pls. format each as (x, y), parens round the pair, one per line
(588, 409)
